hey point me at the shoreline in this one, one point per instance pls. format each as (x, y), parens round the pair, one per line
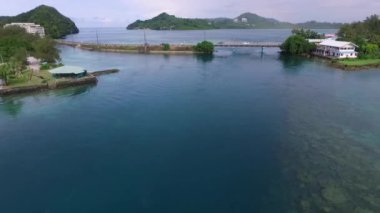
(175, 49)
(338, 65)
(90, 79)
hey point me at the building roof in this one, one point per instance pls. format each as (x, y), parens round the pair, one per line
(333, 43)
(67, 70)
(315, 40)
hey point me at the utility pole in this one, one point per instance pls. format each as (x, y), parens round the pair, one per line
(145, 43)
(97, 38)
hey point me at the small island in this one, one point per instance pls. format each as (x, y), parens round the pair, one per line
(55, 24)
(356, 46)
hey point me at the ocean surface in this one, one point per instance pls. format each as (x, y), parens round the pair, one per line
(242, 131)
(123, 36)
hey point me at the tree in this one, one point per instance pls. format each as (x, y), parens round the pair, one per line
(46, 51)
(367, 31)
(370, 51)
(205, 47)
(306, 33)
(297, 45)
(4, 72)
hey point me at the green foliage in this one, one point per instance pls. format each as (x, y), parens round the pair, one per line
(56, 25)
(319, 25)
(48, 66)
(297, 45)
(165, 21)
(370, 51)
(367, 31)
(5, 71)
(306, 33)
(16, 45)
(45, 50)
(205, 47)
(166, 47)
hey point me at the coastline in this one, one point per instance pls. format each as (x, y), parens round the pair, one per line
(175, 49)
(339, 65)
(90, 79)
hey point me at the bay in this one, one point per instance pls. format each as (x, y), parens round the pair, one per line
(238, 132)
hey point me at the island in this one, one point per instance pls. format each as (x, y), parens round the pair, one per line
(164, 21)
(56, 25)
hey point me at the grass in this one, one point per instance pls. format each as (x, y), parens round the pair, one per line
(359, 62)
(24, 80)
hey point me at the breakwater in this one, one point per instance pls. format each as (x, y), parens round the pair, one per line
(57, 84)
(132, 48)
(91, 78)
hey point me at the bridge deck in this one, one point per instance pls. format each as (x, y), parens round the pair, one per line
(248, 44)
(220, 44)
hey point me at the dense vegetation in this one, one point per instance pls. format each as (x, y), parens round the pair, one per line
(366, 34)
(165, 21)
(307, 33)
(205, 47)
(297, 44)
(16, 45)
(319, 25)
(56, 25)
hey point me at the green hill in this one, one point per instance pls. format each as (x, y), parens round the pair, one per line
(165, 21)
(56, 25)
(319, 25)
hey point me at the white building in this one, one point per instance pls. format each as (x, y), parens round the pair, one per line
(336, 49)
(244, 20)
(31, 28)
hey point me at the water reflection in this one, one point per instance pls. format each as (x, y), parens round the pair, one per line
(74, 91)
(11, 106)
(292, 63)
(204, 58)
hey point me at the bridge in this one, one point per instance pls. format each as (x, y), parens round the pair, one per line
(249, 44)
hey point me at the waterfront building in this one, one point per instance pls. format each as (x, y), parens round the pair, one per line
(68, 71)
(31, 28)
(244, 20)
(336, 49)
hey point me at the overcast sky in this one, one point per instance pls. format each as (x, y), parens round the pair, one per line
(96, 13)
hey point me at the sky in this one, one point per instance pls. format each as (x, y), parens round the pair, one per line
(120, 13)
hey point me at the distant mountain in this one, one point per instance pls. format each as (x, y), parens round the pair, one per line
(56, 25)
(256, 21)
(165, 21)
(319, 25)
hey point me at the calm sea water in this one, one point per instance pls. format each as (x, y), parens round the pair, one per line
(242, 132)
(121, 35)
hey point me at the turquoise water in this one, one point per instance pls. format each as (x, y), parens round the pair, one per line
(240, 133)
